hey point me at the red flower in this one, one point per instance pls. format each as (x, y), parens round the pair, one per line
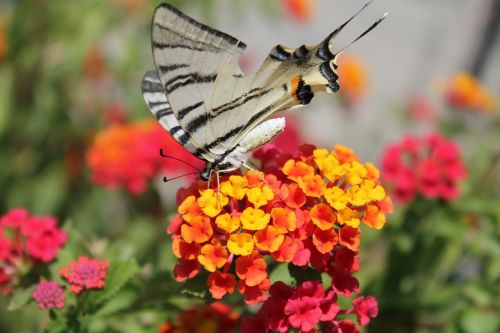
(85, 273)
(49, 295)
(215, 317)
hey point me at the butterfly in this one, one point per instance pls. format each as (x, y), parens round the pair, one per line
(199, 94)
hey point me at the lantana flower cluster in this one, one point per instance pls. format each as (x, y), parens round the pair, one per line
(81, 274)
(26, 240)
(431, 166)
(307, 308)
(127, 155)
(464, 91)
(308, 214)
(216, 317)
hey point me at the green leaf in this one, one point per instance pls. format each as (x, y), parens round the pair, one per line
(20, 298)
(475, 321)
(300, 274)
(118, 275)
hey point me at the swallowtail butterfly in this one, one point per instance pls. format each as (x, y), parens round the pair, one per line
(200, 96)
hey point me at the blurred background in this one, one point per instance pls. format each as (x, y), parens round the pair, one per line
(77, 142)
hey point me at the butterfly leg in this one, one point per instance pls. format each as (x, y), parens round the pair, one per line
(249, 166)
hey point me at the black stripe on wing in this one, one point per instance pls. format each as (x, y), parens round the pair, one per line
(183, 80)
(224, 36)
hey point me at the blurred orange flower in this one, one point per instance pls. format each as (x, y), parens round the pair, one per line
(464, 91)
(301, 10)
(3, 42)
(353, 78)
(128, 155)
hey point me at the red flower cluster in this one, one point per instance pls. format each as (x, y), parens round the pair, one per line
(25, 240)
(431, 166)
(49, 295)
(307, 308)
(212, 318)
(307, 213)
(128, 155)
(85, 273)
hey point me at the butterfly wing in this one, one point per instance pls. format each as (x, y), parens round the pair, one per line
(155, 98)
(211, 99)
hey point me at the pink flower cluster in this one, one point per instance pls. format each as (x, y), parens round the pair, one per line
(85, 273)
(49, 295)
(37, 238)
(307, 308)
(431, 166)
(82, 274)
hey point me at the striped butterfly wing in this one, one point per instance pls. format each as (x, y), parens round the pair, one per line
(213, 102)
(154, 96)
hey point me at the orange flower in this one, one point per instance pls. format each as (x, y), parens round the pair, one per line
(220, 284)
(128, 155)
(252, 269)
(189, 208)
(312, 185)
(322, 216)
(299, 9)
(465, 91)
(352, 78)
(268, 239)
(349, 237)
(284, 219)
(286, 251)
(294, 170)
(3, 42)
(184, 250)
(295, 197)
(213, 256)
(325, 240)
(199, 230)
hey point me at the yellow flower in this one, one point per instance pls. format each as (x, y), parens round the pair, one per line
(260, 196)
(348, 216)
(336, 197)
(374, 192)
(240, 244)
(227, 222)
(254, 219)
(357, 196)
(357, 172)
(211, 202)
(235, 187)
(328, 164)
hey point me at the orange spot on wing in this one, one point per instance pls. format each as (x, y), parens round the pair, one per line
(294, 84)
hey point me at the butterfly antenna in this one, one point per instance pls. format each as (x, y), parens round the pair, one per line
(178, 159)
(165, 179)
(342, 26)
(365, 32)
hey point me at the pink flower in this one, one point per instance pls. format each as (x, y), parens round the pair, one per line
(364, 308)
(303, 313)
(49, 295)
(431, 166)
(43, 240)
(85, 273)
